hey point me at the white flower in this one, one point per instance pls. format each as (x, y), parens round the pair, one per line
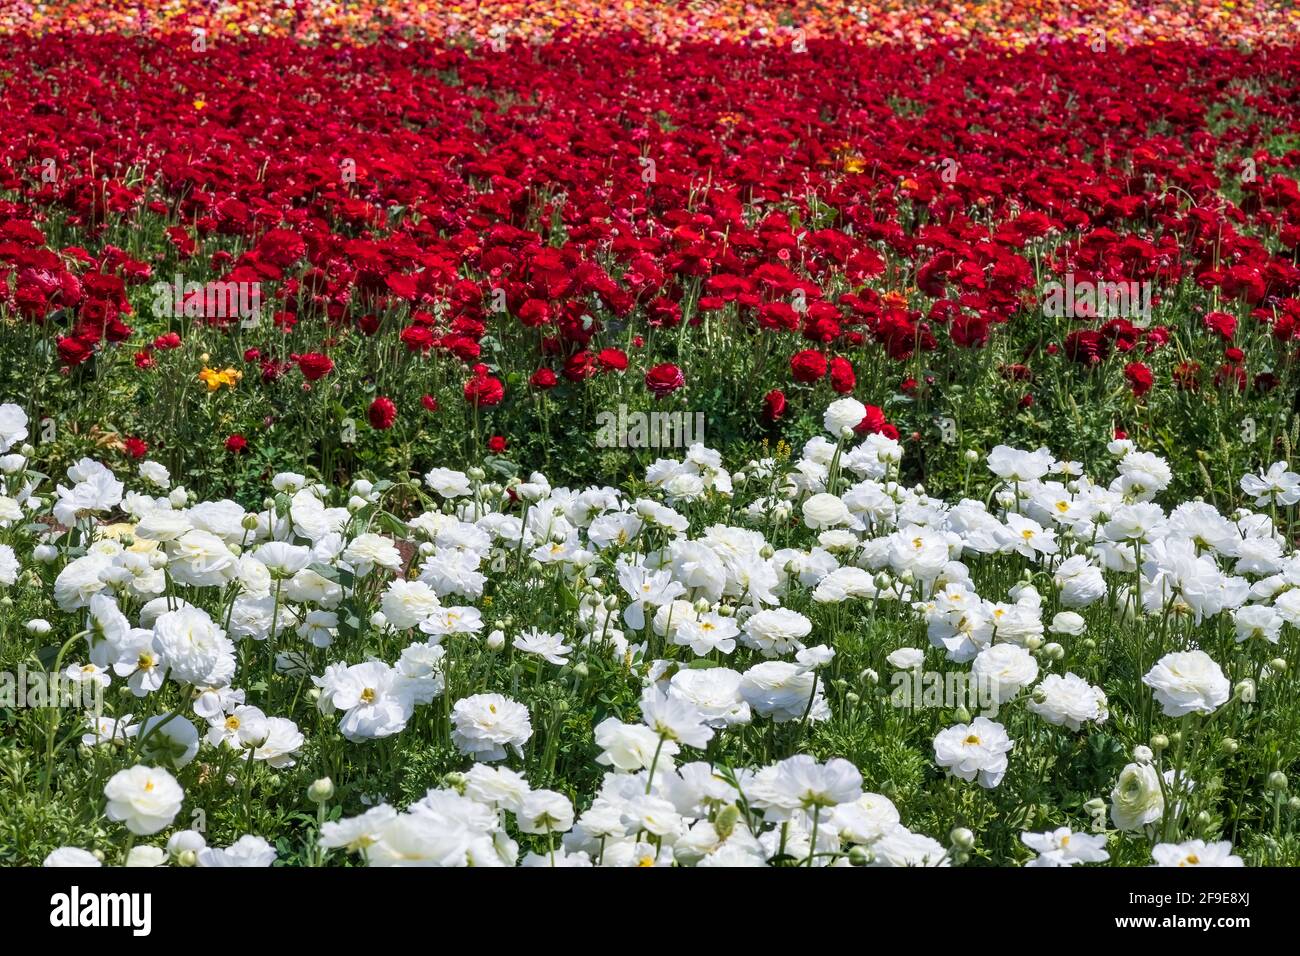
(1068, 623)
(485, 724)
(901, 847)
(68, 856)
(9, 566)
(1137, 799)
(406, 603)
(13, 426)
(248, 850)
(146, 799)
(1001, 670)
(776, 631)
(169, 740)
(975, 749)
(866, 819)
(1064, 847)
(156, 474)
(1069, 701)
(631, 747)
(674, 718)
(196, 650)
(377, 701)
(1196, 852)
(825, 511)
(714, 692)
(544, 811)
(366, 551)
(549, 647)
(1257, 621)
(843, 413)
(1277, 485)
(448, 483)
(1012, 464)
(906, 658)
(1187, 682)
(784, 692)
(283, 560)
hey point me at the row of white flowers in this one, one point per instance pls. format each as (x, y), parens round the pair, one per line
(176, 593)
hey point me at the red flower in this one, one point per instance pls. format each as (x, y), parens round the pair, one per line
(808, 366)
(497, 444)
(484, 390)
(236, 444)
(774, 405)
(168, 340)
(417, 338)
(1139, 378)
(872, 422)
(1221, 324)
(579, 366)
(429, 402)
(382, 413)
(664, 379)
(1086, 347)
(612, 360)
(842, 377)
(135, 447)
(73, 351)
(543, 379)
(314, 365)
(145, 359)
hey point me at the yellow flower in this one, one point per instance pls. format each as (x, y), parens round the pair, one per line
(214, 379)
(854, 164)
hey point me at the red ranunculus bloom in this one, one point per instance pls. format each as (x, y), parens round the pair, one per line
(1221, 324)
(612, 360)
(314, 365)
(236, 444)
(135, 447)
(1139, 378)
(664, 379)
(497, 444)
(774, 405)
(382, 413)
(483, 389)
(872, 422)
(842, 377)
(808, 366)
(543, 379)
(429, 402)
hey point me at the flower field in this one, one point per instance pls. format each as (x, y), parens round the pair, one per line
(702, 434)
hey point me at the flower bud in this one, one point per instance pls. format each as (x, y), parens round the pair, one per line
(321, 790)
(1229, 746)
(961, 838)
(859, 856)
(1277, 781)
(581, 670)
(1159, 742)
(496, 640)
(1143, 754)
(249, 522)
(971, 456)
